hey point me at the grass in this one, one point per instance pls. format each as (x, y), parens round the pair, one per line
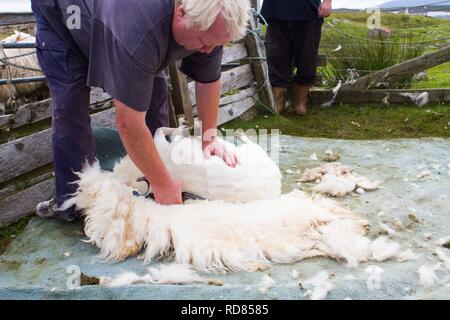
(3, 35)
(7, 234)
(438, 77)
(365, 55)
(398, 23)
(358, 122)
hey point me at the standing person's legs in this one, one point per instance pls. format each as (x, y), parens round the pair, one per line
(72, 138)
(158, 114)
(306, 41)
(279, 59)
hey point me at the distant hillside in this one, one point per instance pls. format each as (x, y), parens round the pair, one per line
(407, 3)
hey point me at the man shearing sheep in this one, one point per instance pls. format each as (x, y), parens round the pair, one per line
(124, 47)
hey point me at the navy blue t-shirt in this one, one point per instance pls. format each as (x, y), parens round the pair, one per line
(291, 10)
(127, 43)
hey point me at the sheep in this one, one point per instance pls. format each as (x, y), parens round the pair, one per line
(216, 235)
(11, 68)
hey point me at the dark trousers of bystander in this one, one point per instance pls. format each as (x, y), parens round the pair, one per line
(292, 44)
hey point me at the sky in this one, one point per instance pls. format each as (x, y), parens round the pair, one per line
(15, 6)
(24, 5)
(352, 4)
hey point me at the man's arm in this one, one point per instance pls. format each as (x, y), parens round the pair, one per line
(141, 148)
(208, 98)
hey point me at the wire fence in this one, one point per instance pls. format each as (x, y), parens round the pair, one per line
(332, 50)
(394, 60)
(334, 29)
(429, 4)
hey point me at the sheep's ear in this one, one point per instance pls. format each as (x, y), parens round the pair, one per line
(17, 35)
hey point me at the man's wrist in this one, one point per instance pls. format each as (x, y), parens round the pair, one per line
(209, 135)
(162, 183)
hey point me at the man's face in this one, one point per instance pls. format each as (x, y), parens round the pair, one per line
(195, 40)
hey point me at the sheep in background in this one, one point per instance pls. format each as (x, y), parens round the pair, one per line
(11, 69)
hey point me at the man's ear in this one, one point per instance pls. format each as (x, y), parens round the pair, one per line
(180, 11)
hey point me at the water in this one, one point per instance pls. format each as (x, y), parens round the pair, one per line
(439, 14)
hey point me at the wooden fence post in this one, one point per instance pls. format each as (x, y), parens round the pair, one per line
(259, 66)
(255, 6)
(180, 94)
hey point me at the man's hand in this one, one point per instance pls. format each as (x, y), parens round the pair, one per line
(208, 96)
(141, 148)
(325, 9)
(215, 148)
(168, 194)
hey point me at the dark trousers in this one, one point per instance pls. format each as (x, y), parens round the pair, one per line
(73, 144)
(292, 44)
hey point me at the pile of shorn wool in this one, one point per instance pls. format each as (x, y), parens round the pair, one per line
(247, 224)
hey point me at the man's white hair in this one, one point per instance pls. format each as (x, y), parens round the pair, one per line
(202, 14)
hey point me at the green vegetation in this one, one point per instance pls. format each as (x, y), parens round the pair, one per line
(7, 234)
(437, 77)
(3, 35)
(411, 36)
(365, 57)
(356, 22)
(358, 122)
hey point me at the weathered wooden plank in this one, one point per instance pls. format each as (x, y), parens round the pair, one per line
(377, 96)
(250, 92)
(7, 19)
(34, 151)
(106, 118)
(180, 93)
(26, 114)
(98, 96)
(41, 110)
(25, 154)
(233, 110)
(255, 4)
(412, 66)
(238, 96)
(24, 202)
(173, 121)
(249, 114)
(260, 69)
(4, 121)
(235, 78)
(234, 52)
(17, 187)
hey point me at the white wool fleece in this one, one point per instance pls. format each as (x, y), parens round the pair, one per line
(216, 235)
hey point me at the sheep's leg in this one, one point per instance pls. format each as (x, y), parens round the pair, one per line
(2, 108)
